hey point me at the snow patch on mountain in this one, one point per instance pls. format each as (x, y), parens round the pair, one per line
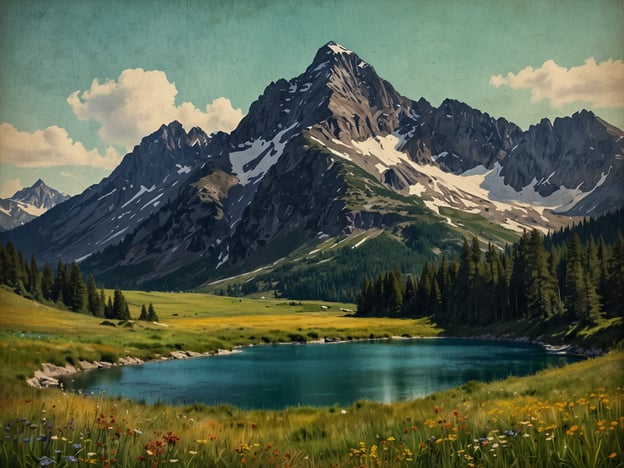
(141, 191)
(471, 191)
(31, 209)
(261, 152)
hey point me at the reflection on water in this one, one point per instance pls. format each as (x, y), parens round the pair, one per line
(320, 375)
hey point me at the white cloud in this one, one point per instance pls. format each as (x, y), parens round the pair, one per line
(50, 148)
(9, 187)
(140, 101)
(600, 84)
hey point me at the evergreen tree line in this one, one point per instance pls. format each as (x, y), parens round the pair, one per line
(574, 281)
(65, 287)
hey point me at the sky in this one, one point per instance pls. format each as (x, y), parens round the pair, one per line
(82, 81)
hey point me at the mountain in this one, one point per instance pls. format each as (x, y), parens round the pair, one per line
(323, 164)
(147, 178)
(27, 204)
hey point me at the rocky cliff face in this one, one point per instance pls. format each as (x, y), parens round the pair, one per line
(578, 152)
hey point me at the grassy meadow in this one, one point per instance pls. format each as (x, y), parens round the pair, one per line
(571, 416)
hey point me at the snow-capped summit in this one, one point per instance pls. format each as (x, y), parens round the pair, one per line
(337, 48)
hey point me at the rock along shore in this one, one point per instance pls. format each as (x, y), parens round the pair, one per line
(49, 374)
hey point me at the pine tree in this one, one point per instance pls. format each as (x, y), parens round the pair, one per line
(592, 263)
(93, 298)
(12, 265)
(47, 282)
(615, 298)
(76, 290)
(581, 299)
(21, 273)
(151, 313)
(120, 306)
(60, 293)
(594, 308)
(410, 298)
(541, 292)
(476, 251)
(101, 304)
(517, 282)
(444, 282)
(603, 261)
(34, 279)
(393, 288)
(109, 310)
(143, 314)
(461, 293)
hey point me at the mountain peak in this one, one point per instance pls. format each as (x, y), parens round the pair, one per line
(336, 48)
(37, 188)
(27, 204)
(334, 53)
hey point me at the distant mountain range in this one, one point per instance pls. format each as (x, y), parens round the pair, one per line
(27, 204)
(324, 162)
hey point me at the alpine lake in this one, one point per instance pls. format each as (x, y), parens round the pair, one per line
(280, 376)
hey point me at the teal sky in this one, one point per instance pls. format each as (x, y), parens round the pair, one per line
(233, 49)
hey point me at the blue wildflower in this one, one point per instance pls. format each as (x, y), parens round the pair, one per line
(77, 445)
(45, 461)
(71, 459)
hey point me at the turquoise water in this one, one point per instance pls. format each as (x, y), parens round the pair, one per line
(280, 376)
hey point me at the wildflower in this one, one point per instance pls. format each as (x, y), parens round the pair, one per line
(77, 446)
(193, 452)
(45, 461)
(137, 432)
(171, 438)
(71, 459)
(612, 455)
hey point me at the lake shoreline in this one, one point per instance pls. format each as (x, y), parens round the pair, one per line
(48, 375)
